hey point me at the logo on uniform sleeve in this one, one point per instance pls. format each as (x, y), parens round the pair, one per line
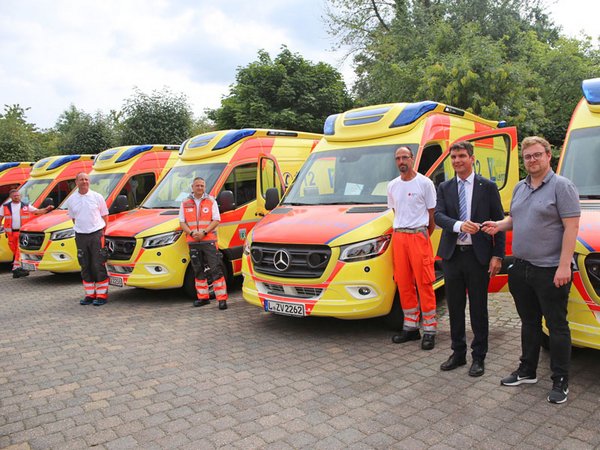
(205, 209)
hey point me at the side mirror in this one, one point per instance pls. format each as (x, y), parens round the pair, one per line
(225, 201)
(120, 204)
(47, 202)
(271, 198)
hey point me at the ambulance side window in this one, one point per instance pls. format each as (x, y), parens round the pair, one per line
(242, 182)
(60, 191)
(430, 154)
(269, 177)
(137, 188)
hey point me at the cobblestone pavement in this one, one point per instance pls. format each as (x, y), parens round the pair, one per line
(150, 371)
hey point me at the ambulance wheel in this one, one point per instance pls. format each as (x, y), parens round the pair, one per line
(395, 318)
(545, 341)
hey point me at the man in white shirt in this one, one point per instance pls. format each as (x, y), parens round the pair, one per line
(88, 210)
(412, 197)
(14, 214)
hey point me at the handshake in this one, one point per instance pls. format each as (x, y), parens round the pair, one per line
(490, 227)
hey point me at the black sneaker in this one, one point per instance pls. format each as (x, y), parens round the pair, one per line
(222, 304)
(515, 379)
(201, 302)
(87, 301)
(559, 392)
(99, 302)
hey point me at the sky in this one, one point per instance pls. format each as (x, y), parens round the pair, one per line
(92, 54)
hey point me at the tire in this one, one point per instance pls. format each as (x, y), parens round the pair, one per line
(395, 318)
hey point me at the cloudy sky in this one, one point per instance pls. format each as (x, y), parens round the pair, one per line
(92, 54)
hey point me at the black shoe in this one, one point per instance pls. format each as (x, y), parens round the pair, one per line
(559, 392)
(99, 302)
(477, 368)
(405, 336)
(428, 342)
(222, 304)
(453, 362)
(201, 302)
(516, 379)
(87, 301)
(18, 273)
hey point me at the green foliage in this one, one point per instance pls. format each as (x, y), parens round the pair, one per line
(18, 138)
(288, 92)
(79, 132)
(501, 60)
(161, 117)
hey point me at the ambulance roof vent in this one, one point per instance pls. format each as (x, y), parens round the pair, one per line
(107, 154)
(200, 141)
(591, 90)
(41, 163)
(62, 161)
(232, 137)
(133, 151)
(8, 165)
(364, 116)
(412, 112)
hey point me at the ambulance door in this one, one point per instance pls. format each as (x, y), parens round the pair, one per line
(269, 176)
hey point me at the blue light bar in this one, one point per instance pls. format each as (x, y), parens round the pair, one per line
(62, 161)
(232, 137)
(591, 90)
(412, 112)
(329, 126)
(6, 166)
(201, 141)
(502, 124)
(133, 151)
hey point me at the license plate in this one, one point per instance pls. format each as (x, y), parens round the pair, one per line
(115, 281)
(28, 266)
(286, 309)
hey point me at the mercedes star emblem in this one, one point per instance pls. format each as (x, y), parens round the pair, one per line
(110, 245)
(24, 240)
(281, 260)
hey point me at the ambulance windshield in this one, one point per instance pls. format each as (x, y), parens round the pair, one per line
(32, 190)
(177, 185)
(581, 163)
(348, 176)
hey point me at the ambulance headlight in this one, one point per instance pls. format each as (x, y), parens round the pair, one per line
(160, 240)
(62, 234)
(365, 249)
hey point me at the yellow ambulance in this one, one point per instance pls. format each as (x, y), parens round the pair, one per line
(325, 250)
(123, 176)
(147, 247)
(12, 176)
(580, 162)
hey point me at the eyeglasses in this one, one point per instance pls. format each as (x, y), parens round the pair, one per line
(403, 158)
(533, 156)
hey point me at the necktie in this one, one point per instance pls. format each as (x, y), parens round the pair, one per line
(462, 207)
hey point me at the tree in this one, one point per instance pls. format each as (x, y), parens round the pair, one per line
(17, 136)
(79, 132)
(288, 92)
(159, 118)
(495, 59)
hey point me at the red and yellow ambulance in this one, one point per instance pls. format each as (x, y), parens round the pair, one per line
(325, 250)
(147, 248)
(123, 176)
(580, 162)
(12, 176)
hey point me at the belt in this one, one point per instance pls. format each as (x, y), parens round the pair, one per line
(464, 248)
(411, 230)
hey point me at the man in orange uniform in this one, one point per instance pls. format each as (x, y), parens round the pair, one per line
(16, 214)
(412, 197)
(199, 217)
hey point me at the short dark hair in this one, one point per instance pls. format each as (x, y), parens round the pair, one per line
(198, 178)
(12, 191)
(404, 147)
(462, 145)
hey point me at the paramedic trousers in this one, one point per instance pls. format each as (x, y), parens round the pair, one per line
(92, 257)
(413, 265)
(535, 295)
(13, 244)
(205, 253)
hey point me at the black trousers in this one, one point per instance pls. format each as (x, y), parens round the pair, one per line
(91, 256)
(463, 273)
(535, 295)
(202, 253)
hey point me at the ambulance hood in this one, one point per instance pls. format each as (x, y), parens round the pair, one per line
(589, 226)
(53, 221)
(323, 224)
(144, 222)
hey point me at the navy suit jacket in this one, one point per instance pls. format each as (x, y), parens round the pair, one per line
(485, 205)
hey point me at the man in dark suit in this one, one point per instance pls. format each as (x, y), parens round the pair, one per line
(469, 257)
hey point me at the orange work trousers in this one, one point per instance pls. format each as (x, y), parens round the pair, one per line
(413, 271)
(13, 244)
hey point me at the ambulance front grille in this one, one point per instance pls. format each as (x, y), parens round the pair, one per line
(120, 249)
(31, 241)
(290, 261)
